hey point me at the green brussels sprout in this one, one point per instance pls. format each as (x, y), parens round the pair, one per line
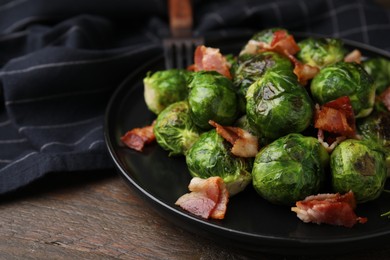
(320, 52)
(345, 79)
(376, 128)
(265, 36)
(165, 87)
(210, 156)
(277, 105)
(379, 69)
(251, 67)
(212, 97)
(289, 169)
(356, 167)
(174, 129)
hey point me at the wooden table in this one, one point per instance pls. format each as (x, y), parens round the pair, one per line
(95, 215)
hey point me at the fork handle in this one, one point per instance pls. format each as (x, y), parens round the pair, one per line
(180, 18)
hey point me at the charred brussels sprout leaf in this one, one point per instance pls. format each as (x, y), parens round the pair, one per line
(376, 128)
(277, 105)
(289, 169)
(379, 69)
(174, 129)
(211, 156)
(320, 52)
(165, 87)
(251, 67)
(345, 79)
(212, 97)
(357, 167)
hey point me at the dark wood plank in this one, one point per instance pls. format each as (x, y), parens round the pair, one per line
(96, 216)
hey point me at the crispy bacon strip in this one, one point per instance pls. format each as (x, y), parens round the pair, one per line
(208, 198)
(333, 209)
(304, 72)
(244, 143)
(354, 56)
(384, 97)
(336, 117)
(210, 59)
(138, 137)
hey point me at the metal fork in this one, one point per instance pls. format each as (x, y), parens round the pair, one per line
(179, 48)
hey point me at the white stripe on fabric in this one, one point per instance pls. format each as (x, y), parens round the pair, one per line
(369, 28)
(5, 123)
(62, 95)
(305, 10)
(77, 123)
(278, 15)
(5, 161)
(94, 143)
(363, 23)
(11, 4)
(333, 17)
(18, 161)
(75, 63)
(14, 35)
(14, 141)
(71, 144)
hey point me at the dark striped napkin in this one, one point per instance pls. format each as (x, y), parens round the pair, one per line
(61, 60)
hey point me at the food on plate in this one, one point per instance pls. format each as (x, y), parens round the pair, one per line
(136, 138)
(356, 165)
(208, 198)
(174, 129)
(278, 105)
(345, 79)
(334, 209)
(210, 156)
(290, 169)
(165, 87)
(250, 67)
(320, 52)
(212, 97)
(292, 119)
(376, 128)
(379, 70)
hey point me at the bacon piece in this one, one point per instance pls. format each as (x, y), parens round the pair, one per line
(304, 72)
(244, 143)
(210, 59)
(283, 43)
(208, 198)
(138, 137)
(354, 56)
(336, 117)
(333, 209)
(384, 97)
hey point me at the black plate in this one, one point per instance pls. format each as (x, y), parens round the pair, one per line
(251, 223)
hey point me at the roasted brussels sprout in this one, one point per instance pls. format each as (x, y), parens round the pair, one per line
(212, 97)
(210, 156)
(376, 128)
(277, 105)
(174, 129)
(251, 67)
(165, 87)
(289, 169)
(320, 52)
(345, 79)
(379, 69)
(356, 167)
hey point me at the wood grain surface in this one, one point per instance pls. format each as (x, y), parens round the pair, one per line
(95, 215)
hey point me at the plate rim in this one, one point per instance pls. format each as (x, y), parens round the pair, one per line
(298, 243)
